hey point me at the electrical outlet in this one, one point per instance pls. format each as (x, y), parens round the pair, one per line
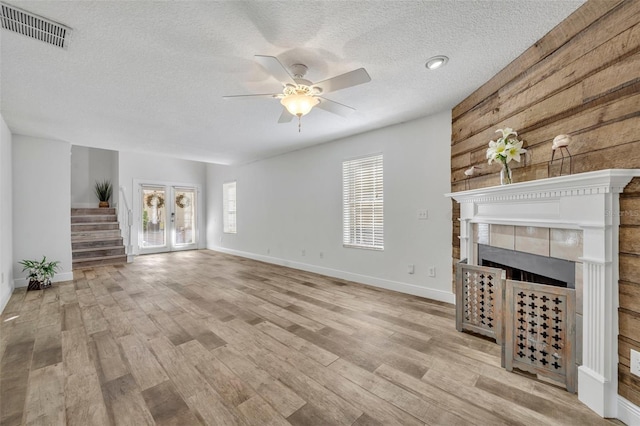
(268, 251)
(321, 255)
(410, 269)
(304, 252)
(432, 271)
(423, 214)
(635, 362)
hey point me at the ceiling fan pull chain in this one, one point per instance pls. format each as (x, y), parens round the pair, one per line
(299, 122)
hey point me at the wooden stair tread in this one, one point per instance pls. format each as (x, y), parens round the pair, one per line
(91, 259)
(99, 263)
(102, 218)
(95, 232)
(95, 239)
(90, 211)
(77, 227)
(84, 250)
(96, 223)
(86, 239)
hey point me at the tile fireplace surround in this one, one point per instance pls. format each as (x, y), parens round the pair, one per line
(587, 202)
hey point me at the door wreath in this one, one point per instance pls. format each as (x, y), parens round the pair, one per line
(183, 201)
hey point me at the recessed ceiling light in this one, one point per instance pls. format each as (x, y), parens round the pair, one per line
(436, 62)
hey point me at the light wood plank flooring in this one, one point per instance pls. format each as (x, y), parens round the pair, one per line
(201, 337)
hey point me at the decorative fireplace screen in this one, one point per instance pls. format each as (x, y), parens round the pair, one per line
(479, 293)
(540, 331)
(534, 323)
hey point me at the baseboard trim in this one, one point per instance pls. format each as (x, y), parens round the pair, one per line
(628, 412)
(5, 296)
(64, 276)
(428, 293)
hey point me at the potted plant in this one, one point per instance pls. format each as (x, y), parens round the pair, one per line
(103, 192)
(40, 272)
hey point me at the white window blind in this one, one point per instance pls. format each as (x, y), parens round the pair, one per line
(363, 203)
(229, 207)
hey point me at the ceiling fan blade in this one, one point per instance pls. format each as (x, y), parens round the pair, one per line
(351, 78)
(335, 107)
(262, 95)
(275, 68)
(285, 117)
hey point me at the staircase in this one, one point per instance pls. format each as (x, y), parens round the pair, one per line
(95, 238)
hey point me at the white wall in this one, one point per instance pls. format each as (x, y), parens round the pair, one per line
(144, 168)
(41, 204)
(115, 181)
(6, 216)
(89, 165)
(293, 202)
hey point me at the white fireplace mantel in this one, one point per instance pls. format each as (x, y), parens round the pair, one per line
(586, 201)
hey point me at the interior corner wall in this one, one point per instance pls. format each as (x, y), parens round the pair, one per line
(41, 204)
(6, 216)
(115, 182)
(153, 169)
(289, 209)
(89, 165)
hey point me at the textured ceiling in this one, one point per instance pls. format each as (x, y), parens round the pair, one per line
(149, 76)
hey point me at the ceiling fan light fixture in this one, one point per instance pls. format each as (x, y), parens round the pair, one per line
(299, 104)
(436, 62)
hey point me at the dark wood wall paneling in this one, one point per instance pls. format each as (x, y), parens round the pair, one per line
(582, 78)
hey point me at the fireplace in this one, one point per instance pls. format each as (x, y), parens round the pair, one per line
(588, 203)
(528, 267)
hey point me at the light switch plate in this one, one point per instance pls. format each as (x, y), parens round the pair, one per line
(635, 362)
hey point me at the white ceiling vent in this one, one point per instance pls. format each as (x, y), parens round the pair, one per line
(34, 26)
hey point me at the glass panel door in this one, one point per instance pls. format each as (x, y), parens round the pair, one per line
(169, 218)
(183, 219)
(154, 233)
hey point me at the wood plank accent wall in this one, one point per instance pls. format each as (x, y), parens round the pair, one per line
(582, 78)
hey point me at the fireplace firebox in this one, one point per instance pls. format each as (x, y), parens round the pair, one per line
(527, 267)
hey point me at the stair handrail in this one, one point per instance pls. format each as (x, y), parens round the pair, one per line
(129, 219)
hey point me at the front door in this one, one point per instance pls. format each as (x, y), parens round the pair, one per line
(169, 218)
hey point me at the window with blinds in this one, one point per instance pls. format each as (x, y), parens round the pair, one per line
(229, 207)
(363, 203)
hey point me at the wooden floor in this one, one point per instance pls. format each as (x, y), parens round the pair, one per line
(201, 337)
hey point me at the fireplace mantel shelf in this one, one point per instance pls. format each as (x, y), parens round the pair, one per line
(587, 201)
(576, 201)
(589, 183)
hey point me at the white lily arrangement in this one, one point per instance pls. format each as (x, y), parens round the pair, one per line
(504, 149)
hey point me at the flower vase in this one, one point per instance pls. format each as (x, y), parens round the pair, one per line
(505, 175)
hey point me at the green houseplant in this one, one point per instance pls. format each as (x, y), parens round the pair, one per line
(40, 272)
(103, 191)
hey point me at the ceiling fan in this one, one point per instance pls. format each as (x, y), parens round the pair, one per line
(299, 95)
